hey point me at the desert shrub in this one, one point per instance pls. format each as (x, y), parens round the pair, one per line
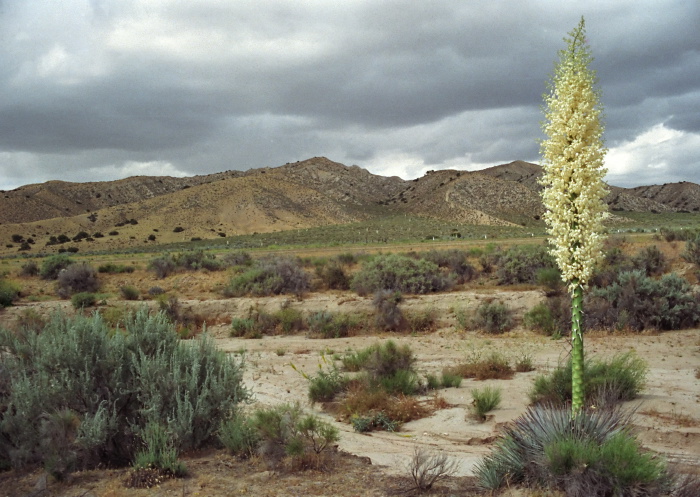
(270, 276)
(285, 431)
(455, 261)
(484, 401)
(400, 274)
(492, 317)
(29, 269)
(290, 320)
(237, 258)
(52, 265)
(326, 324)
(421, 321)
(637, 302)
(333, 276)
(540, 319)
(178, 229)
(524, 364)
(111, 268)
(387, 359)
(243, 327)
(426, 468)
(9, 292)
(450, 380)
(592, 453)
(81, 300)
(239, 436)
(194, 260)
(387, 315)
(154, 291)
(326, 384)
(159, 451)
(72, 250)
(77, 278)
(494, 366)
(692, 250)
(140, 375)
(651, 260)
(347, 258)
(30, 319)
(550, 278)
(521, 264)
(129, 292)
(620, 379)
(163, 265)
(357, 360)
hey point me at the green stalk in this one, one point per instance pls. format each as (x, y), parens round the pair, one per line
(577, 393)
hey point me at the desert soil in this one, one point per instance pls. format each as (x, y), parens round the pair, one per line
(667, 418)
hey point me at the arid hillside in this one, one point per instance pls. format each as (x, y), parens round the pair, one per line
(307, 194)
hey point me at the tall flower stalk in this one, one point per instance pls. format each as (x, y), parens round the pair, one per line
(573, 155)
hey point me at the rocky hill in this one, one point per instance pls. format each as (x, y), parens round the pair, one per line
(311, 193)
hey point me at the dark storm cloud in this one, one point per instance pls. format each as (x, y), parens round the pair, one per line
(105, 88)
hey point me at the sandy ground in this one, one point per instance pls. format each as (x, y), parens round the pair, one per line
(667, 416)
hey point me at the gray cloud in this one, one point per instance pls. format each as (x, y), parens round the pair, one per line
(98, 90)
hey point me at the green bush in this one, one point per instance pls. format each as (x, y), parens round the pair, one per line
(82, 300)
(333, 276)
(521, 264)
(540, 319)
(9, 292)
(129, 292)
(326, 324)
(290, 320)
(387, 359)
(651, 261)
(244, 327)
(605, 383)
(592, 453)
(111, 268)
(237, 258)
(399, 273)
(484, 401)
(239, 436)
(637, 302)
(492, 317)
(285, 431)
(77, 278)
(115, 384)
(270, 276)
(692, 250)
(52, 265)
(449, 380)
(194, 260)
(326, 384)
(159, 451)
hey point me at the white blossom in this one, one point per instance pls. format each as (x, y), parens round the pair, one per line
(573, 163)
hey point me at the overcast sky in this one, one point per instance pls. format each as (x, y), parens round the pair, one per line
(97, 90)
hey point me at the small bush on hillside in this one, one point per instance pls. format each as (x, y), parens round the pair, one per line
(82, 300)
(521, 264)
(52, 266)
(692, 251)
(270, 276)
(635, 301)
(194, 260)
(387, 315)
(77, 278)
(163, 266)
(550, 278)
(237, 258)
(111, 268)
(422, 321)
(592, 453)
(129, 292)
(159, 452)
(604, 382)
(651, 260)
(326, 384)
(400, 274)
(29, 269)
(8, 292)
(139, 376)
(540, 319)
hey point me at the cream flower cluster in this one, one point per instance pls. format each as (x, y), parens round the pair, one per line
(573, 158)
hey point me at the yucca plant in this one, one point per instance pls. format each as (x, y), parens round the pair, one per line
(588, 454)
